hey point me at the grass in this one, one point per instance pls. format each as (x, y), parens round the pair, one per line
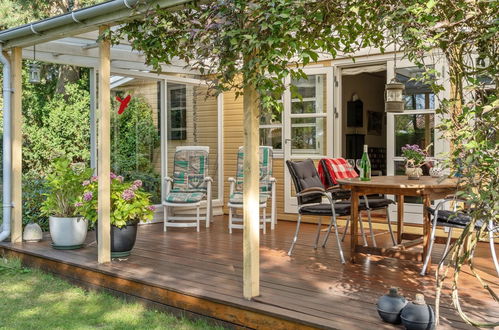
(31, 299)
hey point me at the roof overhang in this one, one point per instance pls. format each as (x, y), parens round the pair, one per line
(80, 21)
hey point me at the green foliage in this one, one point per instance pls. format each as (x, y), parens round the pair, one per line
(129, 203)
(134, 137)
(64, 188)
(34, 195)
(61, 131)
(253, 44)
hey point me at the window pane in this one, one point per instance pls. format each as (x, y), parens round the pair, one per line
(271, 116)
(271, 137)
(176, 107)
(414, 129)
(135, 136)
(418, 95)
(305, 87)
(200, 126)
(308, 135)
(303, 107)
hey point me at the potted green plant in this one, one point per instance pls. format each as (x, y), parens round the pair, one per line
(68, 229)
(415, 158)
(129, 205)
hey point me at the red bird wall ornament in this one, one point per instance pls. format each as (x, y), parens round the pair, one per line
(123, 103)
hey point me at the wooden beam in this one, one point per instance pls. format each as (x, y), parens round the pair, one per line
(17, 142)
(104, 151)
(251, 192)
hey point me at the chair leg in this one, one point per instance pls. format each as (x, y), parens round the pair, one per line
(165, 217)
(197, 218)
(430, 248)
(342, 258)
(346, 229)
(373, 239)
(492, 248)
(230, 220)
(362, 229)
(447, 245)
(318, 234)
(328, 232)
(390, 226)
(296, 235)
(264, 222)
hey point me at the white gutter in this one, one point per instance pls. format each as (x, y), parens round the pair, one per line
(7, 150)
(77, 16)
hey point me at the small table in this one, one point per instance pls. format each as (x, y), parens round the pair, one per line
(427, 187)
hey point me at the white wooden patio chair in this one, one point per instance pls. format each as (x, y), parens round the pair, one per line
(189, 186)
(267, 190)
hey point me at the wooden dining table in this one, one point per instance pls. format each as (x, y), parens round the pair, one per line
(426, 187)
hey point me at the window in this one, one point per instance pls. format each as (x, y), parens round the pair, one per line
(271, 127)
(308, 119)
(177, 107)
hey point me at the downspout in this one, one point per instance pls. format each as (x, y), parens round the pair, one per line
(7, 150)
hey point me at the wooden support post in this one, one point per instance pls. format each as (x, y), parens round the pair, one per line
(251, 192)
(104, 150)
(16, 131)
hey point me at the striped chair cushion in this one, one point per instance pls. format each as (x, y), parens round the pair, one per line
(190, 167)
(237, 198)
(265, 169)
(184, 197)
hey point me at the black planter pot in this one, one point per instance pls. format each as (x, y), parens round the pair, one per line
(122, 240)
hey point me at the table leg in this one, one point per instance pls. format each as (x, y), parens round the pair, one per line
(354, 214)
(400, 218)
(426, 227)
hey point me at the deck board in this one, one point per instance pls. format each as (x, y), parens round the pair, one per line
(311, 288)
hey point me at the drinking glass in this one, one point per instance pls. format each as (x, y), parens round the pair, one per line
(351, 162)
(357, 163)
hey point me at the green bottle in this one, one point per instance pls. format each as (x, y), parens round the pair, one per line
(365, 166)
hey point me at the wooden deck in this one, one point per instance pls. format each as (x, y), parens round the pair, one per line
(201, 273)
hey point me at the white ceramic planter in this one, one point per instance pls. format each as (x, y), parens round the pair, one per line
(68, 233)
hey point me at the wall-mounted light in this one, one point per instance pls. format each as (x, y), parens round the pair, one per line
(34, 70)
(394, 90)
(394, 96)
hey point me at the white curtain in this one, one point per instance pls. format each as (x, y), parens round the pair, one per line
(363, 69)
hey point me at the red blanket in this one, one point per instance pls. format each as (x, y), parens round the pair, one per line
(338, 168)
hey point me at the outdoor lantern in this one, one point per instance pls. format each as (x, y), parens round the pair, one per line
(394, 96)
(34, 73)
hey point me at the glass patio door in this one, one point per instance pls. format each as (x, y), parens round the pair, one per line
(308, 123)
(416, 125)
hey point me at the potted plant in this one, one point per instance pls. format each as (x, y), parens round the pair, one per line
(415, 158)
(129, 205)
(68, 229)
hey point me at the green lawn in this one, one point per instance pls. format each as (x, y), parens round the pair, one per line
(31, 299)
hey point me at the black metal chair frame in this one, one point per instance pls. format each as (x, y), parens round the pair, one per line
(490, 227)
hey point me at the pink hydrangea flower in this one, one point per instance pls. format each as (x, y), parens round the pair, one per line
(151, 208)
(137, 183)
(94, 178)
(78, 204)
(128, 194)
(87, 196)
(85, 183)
(120, 178)
(113, 176)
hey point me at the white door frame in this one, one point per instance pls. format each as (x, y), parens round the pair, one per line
(332, 131)
(412, 212)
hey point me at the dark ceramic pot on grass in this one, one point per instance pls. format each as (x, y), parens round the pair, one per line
(122, 240)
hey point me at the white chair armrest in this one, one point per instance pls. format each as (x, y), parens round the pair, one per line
(208, 179)
(167, 178)
(231, 179)
(273, 180)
